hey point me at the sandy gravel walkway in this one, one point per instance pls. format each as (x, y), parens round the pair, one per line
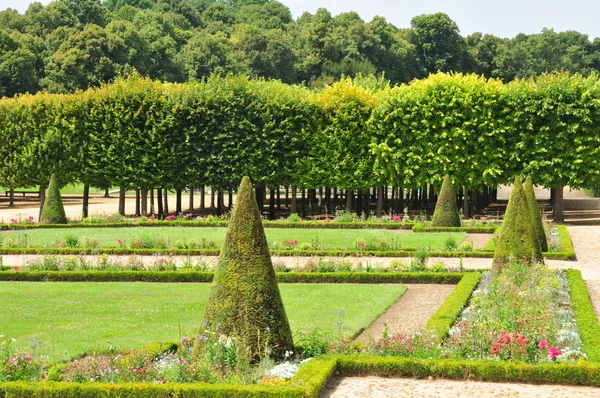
(372, 386)
(410, 313)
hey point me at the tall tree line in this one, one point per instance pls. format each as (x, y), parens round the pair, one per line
(352, 136)
(75, 44)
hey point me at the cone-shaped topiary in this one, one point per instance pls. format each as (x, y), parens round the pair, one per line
(53, 211)
(536, 218)
(244, 300)
(517, 238)
(446, 212)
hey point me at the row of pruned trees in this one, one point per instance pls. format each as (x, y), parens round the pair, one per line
(354, 135)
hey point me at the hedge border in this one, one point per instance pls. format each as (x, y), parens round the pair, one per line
(206, 277)
(469, 229)
(215, 224)
(587, 322)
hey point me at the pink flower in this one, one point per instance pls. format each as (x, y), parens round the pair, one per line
(12, 220)
(171, 217)
(553, 352)
(543, 344)
(189, 215)
(416, 217)
(152, 217)
(483, 218)
(294, 242)
(398, 218)
(16, 267)
(30, 218)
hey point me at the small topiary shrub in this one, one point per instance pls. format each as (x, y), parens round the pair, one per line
(517, 238)
(536, 218)
(53, 211)
(244, 300)
(446, 212)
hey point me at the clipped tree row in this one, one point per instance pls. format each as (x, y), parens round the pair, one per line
(355, 135)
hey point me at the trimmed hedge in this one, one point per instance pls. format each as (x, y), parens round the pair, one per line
(587, 322)
(361, 365)
(220, 224)
(445, 316)
(476, 229)
(207, 277)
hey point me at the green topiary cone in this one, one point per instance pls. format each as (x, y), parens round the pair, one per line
(446, 211)
(536, 218)
(244, 300)
(517, 239)
(53, 211)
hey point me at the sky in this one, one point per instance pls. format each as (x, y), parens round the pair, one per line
(504, 18)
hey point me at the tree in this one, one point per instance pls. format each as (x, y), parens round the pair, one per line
(208, 53)
(439, 43)
(17, 66)
(536, 218)
(87, 11)
(244, 297)
(53, 211)
(517, 240)
(446, 212)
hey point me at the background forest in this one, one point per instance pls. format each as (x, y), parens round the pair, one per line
(74, 44)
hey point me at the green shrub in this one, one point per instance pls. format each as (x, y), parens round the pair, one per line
(536, 218)
(244, 297)
(517, 239)
(446, 212)
(53, 211)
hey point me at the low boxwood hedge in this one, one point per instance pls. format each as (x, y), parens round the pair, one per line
(206, 277)
(219, 223)
(476, 229)
(587, 322)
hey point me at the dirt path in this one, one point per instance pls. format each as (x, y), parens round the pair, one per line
(410, 313)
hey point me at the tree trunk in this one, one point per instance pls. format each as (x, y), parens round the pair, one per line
(466, 207)
(106, 193)
(137, 202)
(122, 200)
(212, 198)
(260, 198)
(166, 199)
(271, 204)
(558, 210)
(191, 199)
(11, 201)
(42, 199)
(349, 195)
(151, 200)
(144, 201)
(86, 201)
(312, 198)
(230, 203)
(278, 192)
(302, 199)
(366, 204)
(293, 208)
(359, 203)
(219, 202)
(379, 202)
(202, 204)
(178, 205)
(159, 201)
(476, 202)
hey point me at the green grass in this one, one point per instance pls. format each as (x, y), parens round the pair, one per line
(74, 318)
(335, 239)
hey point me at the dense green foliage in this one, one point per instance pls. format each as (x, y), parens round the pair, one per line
(446, 212)
(244, 296)
(517, 240)
(53, 211)
(536, 217)
(68, 45)
(356, 134)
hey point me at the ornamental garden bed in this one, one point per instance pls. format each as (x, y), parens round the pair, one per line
(392, 358)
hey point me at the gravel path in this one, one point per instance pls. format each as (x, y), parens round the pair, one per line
(410, 313)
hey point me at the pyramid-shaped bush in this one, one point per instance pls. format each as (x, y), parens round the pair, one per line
(53, 211)
(446, 211)
(244, 300)
(517, 238)
(536, 218)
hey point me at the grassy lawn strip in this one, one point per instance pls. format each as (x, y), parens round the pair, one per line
(109, 237)
(73, 318)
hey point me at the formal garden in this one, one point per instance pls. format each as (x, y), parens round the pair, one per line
(245, 327)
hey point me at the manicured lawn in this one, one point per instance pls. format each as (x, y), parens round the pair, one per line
(331, 238)
(73, 318)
